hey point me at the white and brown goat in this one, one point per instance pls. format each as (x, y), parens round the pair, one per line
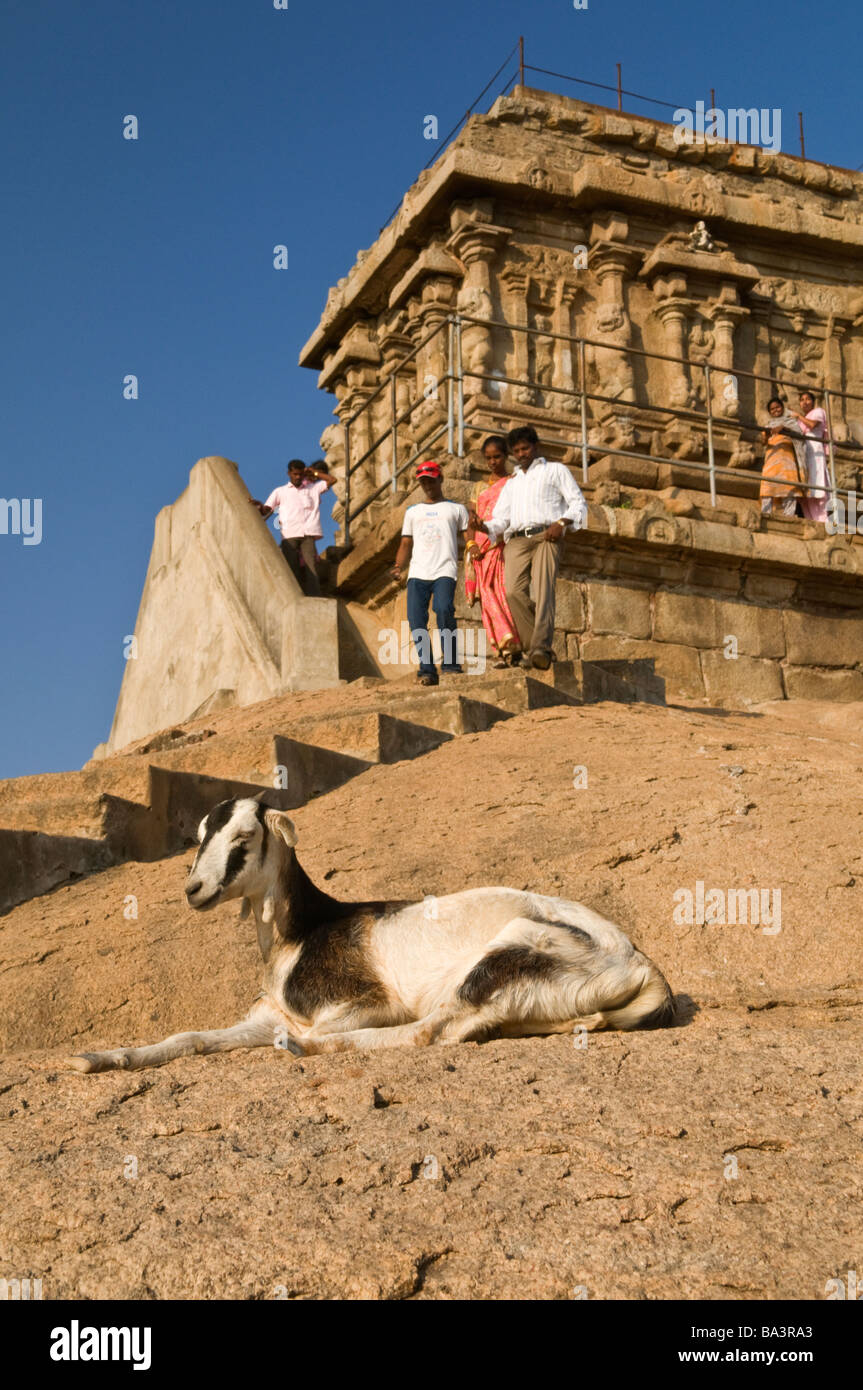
(393, 974)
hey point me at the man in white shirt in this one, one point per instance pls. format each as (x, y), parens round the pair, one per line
(535, 509)
(430, 533)
(299, 506)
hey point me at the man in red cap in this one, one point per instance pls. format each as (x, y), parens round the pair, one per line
(430, 542)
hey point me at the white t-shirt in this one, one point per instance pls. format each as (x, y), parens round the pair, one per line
(434, 527)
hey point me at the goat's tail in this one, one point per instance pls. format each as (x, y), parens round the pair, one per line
(635, 996)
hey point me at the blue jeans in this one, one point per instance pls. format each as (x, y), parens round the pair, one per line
(441, 592)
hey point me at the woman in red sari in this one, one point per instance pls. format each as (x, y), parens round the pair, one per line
(483, 569)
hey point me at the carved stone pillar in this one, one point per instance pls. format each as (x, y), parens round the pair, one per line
(476, 243)
(438, 300)
(360, 384)
(672, 313)
(833, 375)
(395, 346)
(425, 296)
(726, 314)
(514, 286)
(611, 261)
(564, 374)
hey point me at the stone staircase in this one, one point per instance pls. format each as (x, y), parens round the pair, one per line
(147, 803)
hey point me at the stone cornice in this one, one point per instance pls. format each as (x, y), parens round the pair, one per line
(433, 260)
(665, 184)
(355, 348)
(716, 265)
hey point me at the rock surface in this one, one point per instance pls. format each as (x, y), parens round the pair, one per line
(717, 1159)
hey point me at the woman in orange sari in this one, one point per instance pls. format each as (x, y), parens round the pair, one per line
(483, 569)
(784, 461)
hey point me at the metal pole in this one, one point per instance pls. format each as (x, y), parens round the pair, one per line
(802, 141)
(619, 89)
(459, 386)
(450, 387)
(347, 526)
(830, 457)
(520, 60)
(395, 429)
(582, 380)
(711, 456)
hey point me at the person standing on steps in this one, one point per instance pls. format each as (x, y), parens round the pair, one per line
(534, 510)
(483, 562)
(430, 532)
(299, 505)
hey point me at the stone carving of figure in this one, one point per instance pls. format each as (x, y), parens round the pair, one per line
(612, 367)
(476, 343)
(543, 354)
(700, 342)
(700, 239)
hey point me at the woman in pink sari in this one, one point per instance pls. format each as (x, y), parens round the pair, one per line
(813, 422)
(483, 568)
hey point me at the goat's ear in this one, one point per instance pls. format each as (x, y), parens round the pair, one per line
(280, 824)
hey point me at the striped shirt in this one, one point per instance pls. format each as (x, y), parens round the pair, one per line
(538, 496)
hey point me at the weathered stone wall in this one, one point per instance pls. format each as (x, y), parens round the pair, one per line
(642, 581)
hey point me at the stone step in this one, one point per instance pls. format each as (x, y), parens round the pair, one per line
(63, 825)
(32, 863)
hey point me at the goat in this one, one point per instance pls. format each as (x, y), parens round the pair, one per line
(343, 975)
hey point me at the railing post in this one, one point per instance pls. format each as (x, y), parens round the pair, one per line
(395, 430)
(347, 526)
(459, 386)
(830, 457)
(711, 455)
(450, 386)
(582, 380)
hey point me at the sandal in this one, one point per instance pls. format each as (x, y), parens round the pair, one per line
(427, 680)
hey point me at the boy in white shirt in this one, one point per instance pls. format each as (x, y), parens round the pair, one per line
(430, 541)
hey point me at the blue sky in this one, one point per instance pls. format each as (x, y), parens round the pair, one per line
(257, 127)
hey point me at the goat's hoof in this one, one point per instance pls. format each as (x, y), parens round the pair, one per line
(85, 1061)
(286, 1043)
(99, 1061)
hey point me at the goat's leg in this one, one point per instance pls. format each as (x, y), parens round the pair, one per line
(520, 1028)
(259, 1029)
(420, 1033)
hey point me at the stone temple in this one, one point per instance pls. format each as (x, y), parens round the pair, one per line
(636, 299)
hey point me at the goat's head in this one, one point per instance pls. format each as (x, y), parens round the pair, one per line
(238, 852)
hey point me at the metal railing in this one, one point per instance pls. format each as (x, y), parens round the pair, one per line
(455, 374)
